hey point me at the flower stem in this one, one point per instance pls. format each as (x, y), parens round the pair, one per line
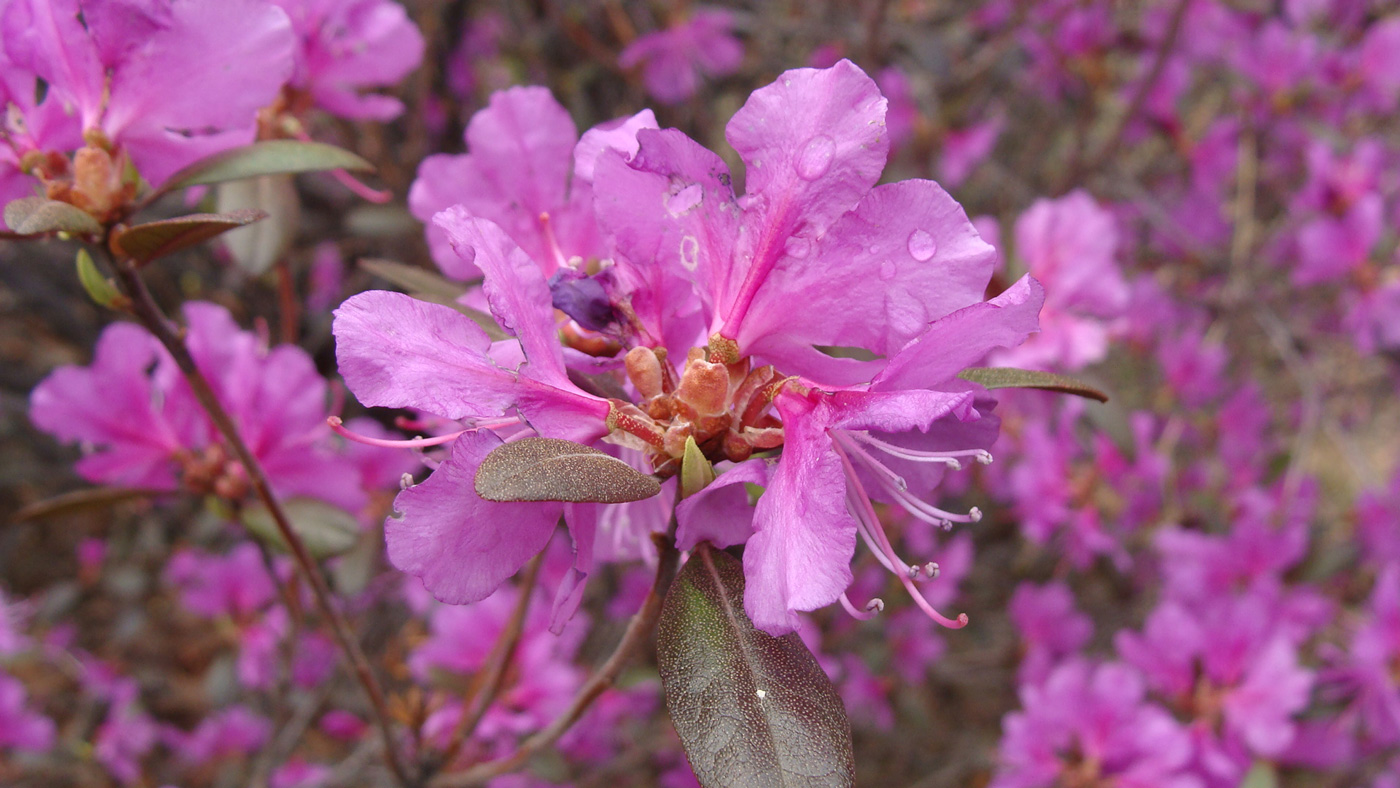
(145, 309)
(638, 630)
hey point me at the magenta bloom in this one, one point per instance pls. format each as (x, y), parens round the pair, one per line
(673, 59)
(1092, 725)
(21, 728)
(165, 82)
(1051, 628)
(142, 427)
(686, 251)
(1070, 245)
(345, 46)
(524, 146)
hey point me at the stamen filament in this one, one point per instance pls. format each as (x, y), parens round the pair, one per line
(416, 443)
(872, 608)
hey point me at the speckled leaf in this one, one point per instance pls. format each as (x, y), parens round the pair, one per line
(549, 469)
(751, 709)
(147, 242)
(35, 215)
(326, 530)
(273, 157)
(1008, 378)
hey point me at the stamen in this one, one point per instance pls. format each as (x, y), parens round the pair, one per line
(872, 608)
(416, 443)
(930, 570)
(898, 488)
(928, 609)
(551, 242)
(866, 512)
(949, 458)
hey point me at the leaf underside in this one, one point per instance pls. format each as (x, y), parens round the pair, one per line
(751, 709)
(549, 469)
(36, 215)
(146, 242)
(1009, 378)
(325, 530)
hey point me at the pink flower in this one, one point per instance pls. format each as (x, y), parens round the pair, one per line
(344, 46)
(20, 727)
(143, 427)
(1092, 725)
(813, 227)
(673, 59)
(235, 732)
(1070, 245)
(685, 252)
(164, 82)
(1051, 628)
(523, 149)
(965, 148)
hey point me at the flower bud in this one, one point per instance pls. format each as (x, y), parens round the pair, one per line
(644, 370)
(705, 387)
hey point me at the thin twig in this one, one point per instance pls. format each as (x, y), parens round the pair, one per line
(638, 630)
(493, 678)
(1144, 88)
(144, 307)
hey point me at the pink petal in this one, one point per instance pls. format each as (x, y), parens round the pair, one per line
(721, 513)
(395, 351)
(961, 339)
(799, 557)
(461, 546)
(905, 257)
(814, 142)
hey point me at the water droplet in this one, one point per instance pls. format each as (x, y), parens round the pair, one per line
(798, 247)
(815, 157)
(921, 245)
(684, 200)
(690, 252)
(887, 270)
(874, 249)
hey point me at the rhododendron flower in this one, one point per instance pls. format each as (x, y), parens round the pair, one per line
(523, 149)
(344, 46)
(1050, 625)
(142, 427)
(158, 82)
(1092, 725)
(813, 226)
(673, 59)
(1069, 245)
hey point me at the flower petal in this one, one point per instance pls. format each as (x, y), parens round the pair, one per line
(814, 142)
(905, 257)
(461, 546)
(395, 351)
(721, 513)
(799, 557)
(963, 338)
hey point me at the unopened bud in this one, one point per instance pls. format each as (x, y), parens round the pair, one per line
(705, 387)
(644, 370)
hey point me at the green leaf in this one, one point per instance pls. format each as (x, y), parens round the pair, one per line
(35, 215)
(696, 470)
(273, 157)
(1008, 378)
(326, 530)
(549, 469)
(751, 709)
(99, 288)
(146, 242)
(93, 498)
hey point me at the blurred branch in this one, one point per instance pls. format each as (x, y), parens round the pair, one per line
(145, 309)
(638, 630)
(476, 705)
